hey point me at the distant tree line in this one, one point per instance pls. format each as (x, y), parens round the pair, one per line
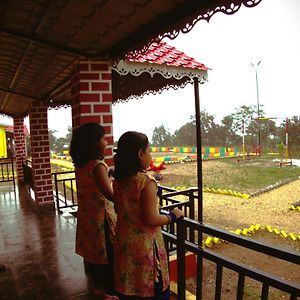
(229, 133)
(61, 144)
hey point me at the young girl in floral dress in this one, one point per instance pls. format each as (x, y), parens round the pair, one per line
(96, 217)
(141, 269)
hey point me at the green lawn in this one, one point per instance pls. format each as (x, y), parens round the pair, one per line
(247, 176)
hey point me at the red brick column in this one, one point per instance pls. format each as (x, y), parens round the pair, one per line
(91, 90)
(20, 146)
(40, 153)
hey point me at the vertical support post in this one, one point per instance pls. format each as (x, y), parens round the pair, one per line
(191, 214)
(258, 114)
(20, 146)
(40, 151)
(91, 92)
(181, 236)
(286, 139)
(199, 181)
(257, 96)
(243, 128)
(199, 151)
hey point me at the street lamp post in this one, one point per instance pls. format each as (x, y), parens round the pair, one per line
(257, 96)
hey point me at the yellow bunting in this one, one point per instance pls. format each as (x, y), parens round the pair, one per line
(269, 228)
(245, 231)
(252, 228)
(216, 240)
(208, 242)
(292, 236)
(283, 234)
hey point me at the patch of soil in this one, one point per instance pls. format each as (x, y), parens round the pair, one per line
(229, 212)
(271, 208)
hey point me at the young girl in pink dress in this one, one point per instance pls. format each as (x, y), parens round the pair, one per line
(141, 268)
(96, 217)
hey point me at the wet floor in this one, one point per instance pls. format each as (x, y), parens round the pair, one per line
(37, 250)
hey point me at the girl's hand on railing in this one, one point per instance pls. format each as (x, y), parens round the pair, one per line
(177, 212)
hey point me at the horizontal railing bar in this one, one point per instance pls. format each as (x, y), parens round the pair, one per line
(65, 179)
(176, 193)
(287, 255)
(62, 172)
(194, 189)
(261, 276)
(171, 200)
(173, 205)
(258, 275)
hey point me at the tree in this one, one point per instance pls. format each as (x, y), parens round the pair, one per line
(52, 140)
(58, 145)
(208, 128)
(230, 137)
(69, 135)
(185, 135)
(161, 137)
(247, 116)
(293, 135)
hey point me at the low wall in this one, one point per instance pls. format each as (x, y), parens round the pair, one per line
(207, 152)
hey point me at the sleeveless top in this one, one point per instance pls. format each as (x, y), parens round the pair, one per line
(93, 208)
(139, 248)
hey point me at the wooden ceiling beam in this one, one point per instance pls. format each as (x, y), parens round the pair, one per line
(46, 43)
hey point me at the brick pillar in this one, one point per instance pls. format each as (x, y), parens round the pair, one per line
(20, 146)
(91, 90)
(40, 152)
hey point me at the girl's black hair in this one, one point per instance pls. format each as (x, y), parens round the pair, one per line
(127, 162)
(85, 143)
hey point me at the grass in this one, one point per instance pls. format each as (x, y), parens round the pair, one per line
(246, 176)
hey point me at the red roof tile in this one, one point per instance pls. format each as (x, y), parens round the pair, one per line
(10, 128)
(163, 53)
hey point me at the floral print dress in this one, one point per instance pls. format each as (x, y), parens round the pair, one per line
(93, 208)
(138, 248)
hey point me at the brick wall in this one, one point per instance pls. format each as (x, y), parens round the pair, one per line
(91, 90)
(40, 154)
(20, 146)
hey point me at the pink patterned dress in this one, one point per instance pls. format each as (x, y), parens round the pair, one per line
(93, 207)
(138, 248)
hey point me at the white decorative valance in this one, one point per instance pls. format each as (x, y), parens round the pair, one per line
(136, 69)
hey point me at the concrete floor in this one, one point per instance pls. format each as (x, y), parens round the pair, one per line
(37, 249)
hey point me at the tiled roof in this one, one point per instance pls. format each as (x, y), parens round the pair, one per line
(42, 41)
(10, 128)
(163, 53)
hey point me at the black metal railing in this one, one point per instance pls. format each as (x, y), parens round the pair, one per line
(7, 171)
(27, 172)
(65, 190)
(243, 271)
(186, 235)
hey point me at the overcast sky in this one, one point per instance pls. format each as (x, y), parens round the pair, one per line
(269, 33)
